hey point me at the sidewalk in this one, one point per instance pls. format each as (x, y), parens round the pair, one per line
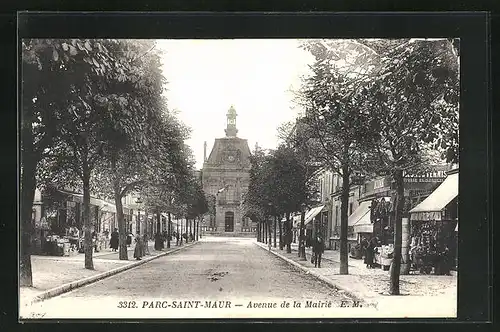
(50, 272)
(430, 292)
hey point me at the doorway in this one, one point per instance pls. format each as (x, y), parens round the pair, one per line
(229, 221)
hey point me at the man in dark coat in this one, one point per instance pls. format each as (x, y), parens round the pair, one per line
(370, 252)
(113, 242)
(318, 249)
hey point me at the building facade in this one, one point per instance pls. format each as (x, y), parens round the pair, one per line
(367, 200)
(225, 175)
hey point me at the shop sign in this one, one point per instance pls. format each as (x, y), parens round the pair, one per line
(422, 179)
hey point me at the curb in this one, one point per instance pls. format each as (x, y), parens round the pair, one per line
(357, 296)
(82, 282)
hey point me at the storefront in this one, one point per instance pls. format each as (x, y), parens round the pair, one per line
(433, 225)
(59, 230)
(311, 223)
(360, 221)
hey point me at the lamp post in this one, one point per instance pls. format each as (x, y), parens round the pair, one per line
(138, 201)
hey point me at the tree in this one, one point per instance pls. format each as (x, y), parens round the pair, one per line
(338, 128)
(290, 190)
(50, 71)
(132, 150)
(110, 106)
(197, 204)
(256, 198)
(416, 88)
(166, 189)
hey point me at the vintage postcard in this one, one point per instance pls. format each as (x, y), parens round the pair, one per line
(239, 178)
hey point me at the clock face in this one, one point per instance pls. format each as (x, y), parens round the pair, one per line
(230, 158)
(231, 121)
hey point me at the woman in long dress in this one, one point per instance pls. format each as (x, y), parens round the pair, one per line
(370, 253)
(139, 247)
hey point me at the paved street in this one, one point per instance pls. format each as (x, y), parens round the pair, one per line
(233, 270)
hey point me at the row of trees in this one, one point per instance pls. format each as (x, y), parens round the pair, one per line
(280, 184)
(372, 107)
(94, 117)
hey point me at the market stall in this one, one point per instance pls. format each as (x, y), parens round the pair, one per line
(433, 224)
(383, 256)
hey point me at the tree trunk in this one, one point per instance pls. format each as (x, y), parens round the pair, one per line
(269, 227)
(178, 233)
(302, 237)
(195, 221)
(396, 261)
(258, 232)
(265, 230)
(274, 233)
(158, 221)
(169, 226)
(28, 186)
(122, 242)
(405, 246)
(87, 231)
(288, 234)
(280, 224)
(344, 269)
(197, 229)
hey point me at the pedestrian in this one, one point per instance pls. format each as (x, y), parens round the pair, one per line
(113, 242)
(139, 247)
(318, 249)
(146, 245)
(370, 252)
(364, 245)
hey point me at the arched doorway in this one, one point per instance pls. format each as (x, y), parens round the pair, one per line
(229, 221)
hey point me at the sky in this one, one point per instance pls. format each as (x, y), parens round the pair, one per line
(206, 77)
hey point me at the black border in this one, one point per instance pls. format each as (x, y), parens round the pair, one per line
(475, 125)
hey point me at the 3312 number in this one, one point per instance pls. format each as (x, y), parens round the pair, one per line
(127, 304)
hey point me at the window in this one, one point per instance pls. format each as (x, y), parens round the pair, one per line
(350, 208)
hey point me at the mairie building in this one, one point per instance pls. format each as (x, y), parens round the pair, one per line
(225, 175)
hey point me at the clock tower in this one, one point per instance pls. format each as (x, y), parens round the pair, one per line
(225, 177)
(231, 130)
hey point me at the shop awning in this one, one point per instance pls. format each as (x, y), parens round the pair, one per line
(364, 223)
(431, 207)
(362, 211)
(312, 213)
(105, 206)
